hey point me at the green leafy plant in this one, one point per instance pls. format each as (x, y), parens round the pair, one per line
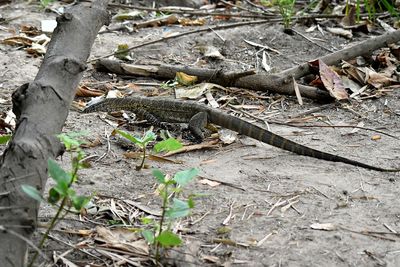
(160, 234)
(286, 9)
(141, 142)
(169, 144)
(61, 195)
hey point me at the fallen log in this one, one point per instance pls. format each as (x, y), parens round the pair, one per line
(364, 48)
(41, 108)
(247, 80)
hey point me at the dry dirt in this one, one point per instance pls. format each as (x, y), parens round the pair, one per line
(254, 176)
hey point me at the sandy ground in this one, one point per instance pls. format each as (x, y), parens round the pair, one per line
(254, 176)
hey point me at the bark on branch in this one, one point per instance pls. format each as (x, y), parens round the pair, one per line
(280, 83)
(41, 108)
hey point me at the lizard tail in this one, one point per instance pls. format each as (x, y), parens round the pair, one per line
(275, 140)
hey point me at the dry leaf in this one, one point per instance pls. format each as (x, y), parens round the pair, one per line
(267, 67)
(192, 22)
(212, 259)
(36, 49)
(192, 92)
(185, 79)
(85, 91)
(211, 101)
(297, 91)
(212, 52)
(227, 136)
(350, 84)
(341, 32)
(332, 82)
(29, 30)
(163, 159)
(122, 239)
(354, 73)
(323, 226)
(208, 145)
(128, 15)
(377, 80)
(209, 182)
(376, 137)
(18, 40)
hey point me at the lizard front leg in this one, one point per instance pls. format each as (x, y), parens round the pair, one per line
(197, 125)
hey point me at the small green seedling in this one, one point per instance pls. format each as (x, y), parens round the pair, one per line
(141, 142)
(286, 8)
(61, 195)
(167, 145)
(160, 234)
(169, 84)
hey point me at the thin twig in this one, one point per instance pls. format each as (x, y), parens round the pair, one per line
(264, 10)
(108, 148)
(335, 126)
(311, 41)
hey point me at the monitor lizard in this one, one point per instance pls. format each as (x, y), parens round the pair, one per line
(156, 110)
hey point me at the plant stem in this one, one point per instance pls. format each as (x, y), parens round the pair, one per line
(46, 234)
(144, 157)
(164, 209)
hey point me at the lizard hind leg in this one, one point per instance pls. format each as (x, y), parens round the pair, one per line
(197, 125)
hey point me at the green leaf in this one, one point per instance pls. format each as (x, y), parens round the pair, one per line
(184, 177)
(146, 220)
(130, 137)
(123, 52)
(71, 141)
(114, 222)
(179, 209)
(159, 176)
(190, 203)
(32, 192)
(170, 144)
(54, 196)
(168, 239)
(71, 192)
(58, 174)
(79, 202)
(4, 138)
(149, 236)
(62, 189)
(149, 136)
